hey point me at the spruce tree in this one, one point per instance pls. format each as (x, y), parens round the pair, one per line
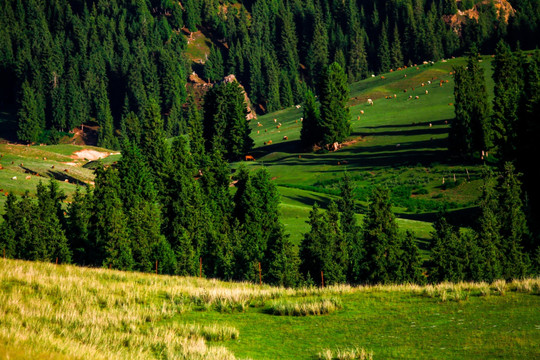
(446, 260)
(334, 97)
(310, 134)
(317, 250)
(153, 144)
(29, 118)
(350, 229)
(488, 229)
(506, 101)
(109, 225)
(78, 227)
(410, 260)
(513, 224)
(381, 240)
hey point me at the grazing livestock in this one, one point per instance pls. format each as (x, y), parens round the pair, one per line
(28, 177)
(66, 170)
(249, 157)
(410, 96)
(275, 120)
(298, 106)
(370, 102)
(14, 178)
(417, 97)
(427, 92)
(404, 90)
(362, 112)
(430, 124)
(285, 137)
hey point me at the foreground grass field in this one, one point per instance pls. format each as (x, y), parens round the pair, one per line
(64, 312)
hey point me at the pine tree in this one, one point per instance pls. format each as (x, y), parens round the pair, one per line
(488, 229)
(506, 101)
(334, 97)
(396, 57)
(381, 240)
(225, 126)
(310, 134)
(318, 249)
(446, 260)
(213, 67)
(317, 56)
(109, 225)
(29, 115)
(48, 227)
(139, 199)
(410, 260)
(78, 227)
(350, 229)
(513, 224)
(383, 50)
(358, 64)
(153, 144)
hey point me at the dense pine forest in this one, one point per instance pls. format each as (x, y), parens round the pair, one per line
(169, 206)
(66, 63)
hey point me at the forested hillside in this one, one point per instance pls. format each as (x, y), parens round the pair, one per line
(64, 63)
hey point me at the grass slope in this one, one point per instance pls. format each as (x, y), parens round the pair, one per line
(64, 312)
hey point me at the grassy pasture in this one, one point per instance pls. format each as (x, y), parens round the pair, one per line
(65, 312)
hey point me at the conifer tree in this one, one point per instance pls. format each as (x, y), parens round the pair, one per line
(78, 227)
(381, 240)
(8, 231)
(317, 56)
(225, 126)
(109, 231)
(446, 259)
(411, 271)
(350, 229)
(317, 250)
(488, 229)
(396, 56)
(310, 134)
(195, 130)
(153, 144)
(358, 64)
(48, 227)
(506, 101)
(139, 199)
(213, 67)
(383, 50)
(29, 118)
(334, 97)
(513, 224)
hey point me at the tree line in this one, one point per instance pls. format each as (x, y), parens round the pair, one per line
(70, 62)
(195, 225)
(504, 130)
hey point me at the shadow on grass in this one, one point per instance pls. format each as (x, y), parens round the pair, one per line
(63, 176)
(419, 124)
(459, 217)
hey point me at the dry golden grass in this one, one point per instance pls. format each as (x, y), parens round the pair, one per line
(99, 314)
(346, 354)
(305, 307)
